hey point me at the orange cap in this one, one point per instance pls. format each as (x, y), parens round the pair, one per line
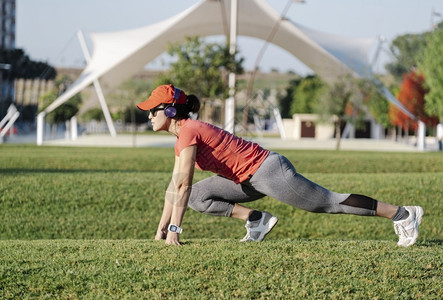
(162, 94)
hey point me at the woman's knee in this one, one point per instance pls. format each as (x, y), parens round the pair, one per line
(197, 201)
(204, 202)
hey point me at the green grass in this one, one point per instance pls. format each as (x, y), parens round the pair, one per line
(79, 223)
(219, 269)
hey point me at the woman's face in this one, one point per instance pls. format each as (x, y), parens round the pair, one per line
(158, 118)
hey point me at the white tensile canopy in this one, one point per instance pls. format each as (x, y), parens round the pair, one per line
(119, 55)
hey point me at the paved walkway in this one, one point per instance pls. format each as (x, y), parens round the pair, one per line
(270, 143)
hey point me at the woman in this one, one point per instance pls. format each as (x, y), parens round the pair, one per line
(245, 172)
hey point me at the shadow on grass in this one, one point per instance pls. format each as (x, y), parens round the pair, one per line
(8, 171)
(430, 243)
(190, 242)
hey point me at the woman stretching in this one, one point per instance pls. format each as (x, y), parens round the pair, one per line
(245, 172)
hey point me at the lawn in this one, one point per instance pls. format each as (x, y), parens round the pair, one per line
(79, 223)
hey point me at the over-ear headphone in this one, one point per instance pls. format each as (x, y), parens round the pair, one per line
(170, 110)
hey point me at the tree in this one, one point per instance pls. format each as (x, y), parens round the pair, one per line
(126, 96)
(286, 102)
(411, 94)
(407, 50)
(22, 67)
(201, 68)
(65, 111)
(95, 113)
(376, 103)
(306, 95)
(301, 96)
(342, 100)
(432, 67)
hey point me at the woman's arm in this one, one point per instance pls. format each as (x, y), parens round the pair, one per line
(182, 183)
(165, 219)
(162, 229)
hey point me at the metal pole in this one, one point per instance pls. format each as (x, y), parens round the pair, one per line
(74, 130)
(230, 102)
(259, 58)
(97, 87)
(421, 136)
(381, 40)
(40, 127)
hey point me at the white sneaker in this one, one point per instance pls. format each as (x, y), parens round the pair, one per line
(257, 230)
(407, 230)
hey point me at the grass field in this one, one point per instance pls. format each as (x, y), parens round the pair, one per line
(79, 223)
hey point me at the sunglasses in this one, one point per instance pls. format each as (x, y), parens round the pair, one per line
(155, 110)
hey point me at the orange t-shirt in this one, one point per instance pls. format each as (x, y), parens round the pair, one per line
(219, 151)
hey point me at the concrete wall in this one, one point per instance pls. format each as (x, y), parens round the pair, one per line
(293, 127)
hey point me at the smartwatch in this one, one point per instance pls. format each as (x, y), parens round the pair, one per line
(175, 228)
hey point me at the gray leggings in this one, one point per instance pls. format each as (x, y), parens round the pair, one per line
(277, 178)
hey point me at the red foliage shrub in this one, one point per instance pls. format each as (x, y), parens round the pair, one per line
(411, 95)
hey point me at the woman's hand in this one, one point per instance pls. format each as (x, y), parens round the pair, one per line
(161, 234)
(172, 239)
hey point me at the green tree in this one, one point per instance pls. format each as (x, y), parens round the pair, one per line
(22, 67)
(126, 96)
(306, 95)
(286, 101)
(342, 99)
(201, 68)
(376, 103)
(407, 50)
(65, 111)
(95, 113)
(432, 67)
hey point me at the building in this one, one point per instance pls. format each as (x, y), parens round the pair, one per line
(7, 42)
(7, 24)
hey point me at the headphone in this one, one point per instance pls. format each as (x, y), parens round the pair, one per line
(170, 110)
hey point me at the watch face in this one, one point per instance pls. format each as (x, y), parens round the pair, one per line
(174, 228)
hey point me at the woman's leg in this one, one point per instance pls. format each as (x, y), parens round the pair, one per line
(240, 212)
(220, 196)
(278, 178)
(386, 210)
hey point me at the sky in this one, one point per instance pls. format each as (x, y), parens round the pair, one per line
(47, 29)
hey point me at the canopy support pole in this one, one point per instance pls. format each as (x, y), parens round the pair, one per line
(230, 102)
(421, 136)
(97, 87)
(10, 118)
(40, 127)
